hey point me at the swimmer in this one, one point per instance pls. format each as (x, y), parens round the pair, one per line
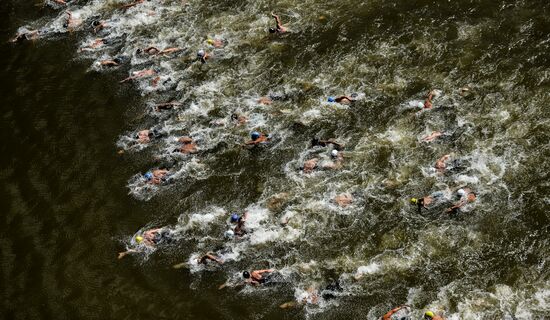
(216, 43)
(188, 146)
(323, 143)
(140, 74)
(95, 44)
(428, 103)
(25, 35)
(310, 296)
(258, 277)
(310, 165)
(202, 56)
(344, 200)
(466, 196)
(388, 315)
(265, 101)
(429, 315)
(279, 29)
(144, 136)
(166, 105)
(342, 99)
(257, 138)
(157, 176)
(240, 120)
(434, 135)
(98, 25)
(62, 2)
(150, 238)
(132, 4)
(111, 63)
(209, 257)
(422, 202)
(337, 157)
(441, 163)
(169, 51)
(71, 22)
(239, 229)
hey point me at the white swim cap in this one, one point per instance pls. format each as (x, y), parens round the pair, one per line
(461, 192)
(420, 104)
(334, 153)
(229, 234)
(200, 53)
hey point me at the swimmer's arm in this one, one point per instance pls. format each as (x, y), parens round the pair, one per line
(108, 63)
(265, 271)
(277, 20)
(388, 315)
(123, 254)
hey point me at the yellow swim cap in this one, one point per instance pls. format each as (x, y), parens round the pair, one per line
(210, 41)
(414, 200)
(139, 239)
(429, 314)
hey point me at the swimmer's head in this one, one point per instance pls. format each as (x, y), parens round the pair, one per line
(139, 239)
(65, 25)
(210, 41)
(139, 51)
(117, 60)
(201, 53)
(96, 23)
(334, 153)
(246, 274)
(234, 217)
(428, 315)
(331, 99)
(255, 135)
(414, 200)
(315, 142)
(461, 192)
(272, 30)
(148, 175)
(354, 95)
(229, 234)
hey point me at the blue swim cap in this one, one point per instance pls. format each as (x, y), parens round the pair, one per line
(148, 176)
(255, 135)
(330, 99)
(234, 217)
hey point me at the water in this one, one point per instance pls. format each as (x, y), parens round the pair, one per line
(75, 196)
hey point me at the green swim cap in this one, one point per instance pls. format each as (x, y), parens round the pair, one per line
(139, 239)
(429, 314)
(414, 200)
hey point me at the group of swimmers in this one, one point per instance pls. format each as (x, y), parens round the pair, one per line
(154, 237)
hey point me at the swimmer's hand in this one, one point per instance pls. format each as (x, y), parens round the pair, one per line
(180, 265)
(287, 305)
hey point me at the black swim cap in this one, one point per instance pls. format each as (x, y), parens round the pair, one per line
(65, 25)
(96, 23)
(118, 60)
(246, 274)
(272, 30)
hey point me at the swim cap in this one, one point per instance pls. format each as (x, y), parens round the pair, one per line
(229, 234)
(272, 30)
(429, 314)
(461, 192)
(414, 200)
(148, 175)
(331, 99)
(234, 217)
(246, 274)
(255, 135)
(139, 239)
(334, 153)
(210, 41)
(420, 104)
(201, 53)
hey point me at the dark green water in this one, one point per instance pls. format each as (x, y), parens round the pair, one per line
(67, 211)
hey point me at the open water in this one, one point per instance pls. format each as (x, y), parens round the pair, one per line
(72, 172)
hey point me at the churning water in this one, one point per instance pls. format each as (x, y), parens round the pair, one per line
(345, 222)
